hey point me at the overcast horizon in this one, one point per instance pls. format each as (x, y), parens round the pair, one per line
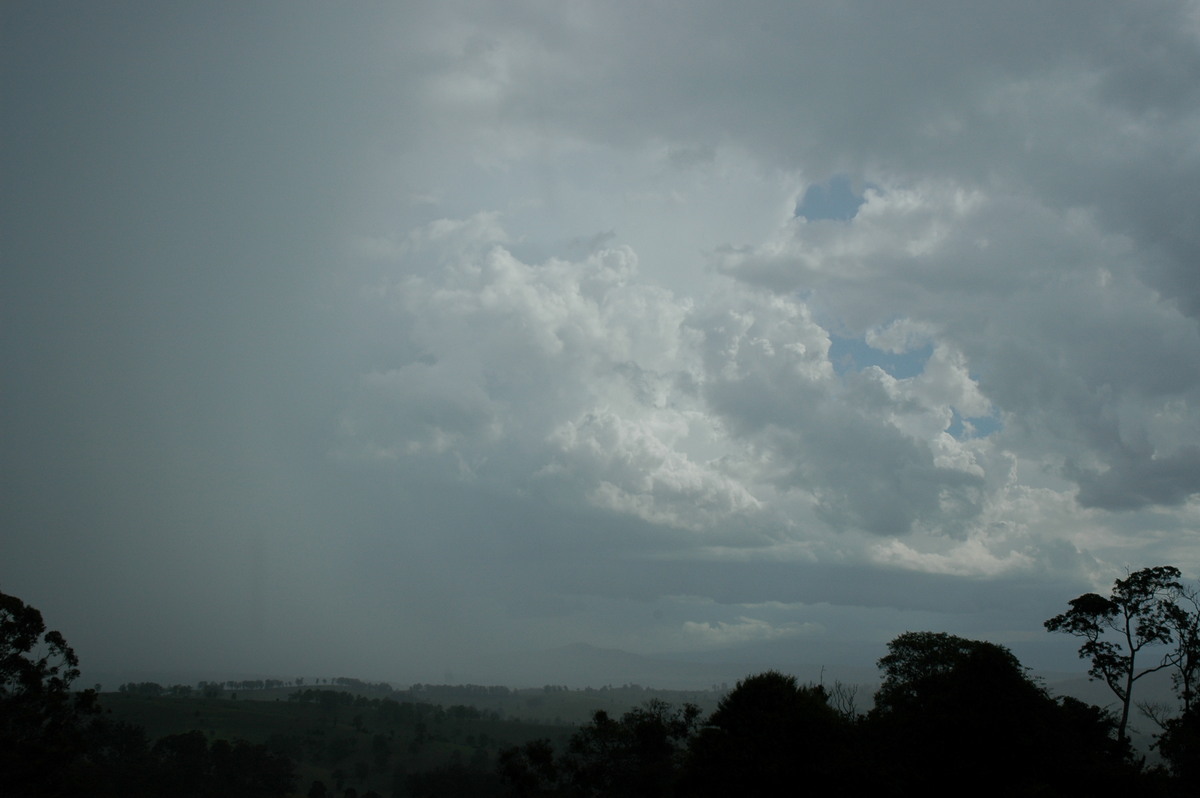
(394, 340)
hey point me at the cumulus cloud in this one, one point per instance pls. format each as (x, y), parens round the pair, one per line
(1140, 481)
(873, 307)
(1017, 240)
(1025, 297)
(677, 412)
(643, 468)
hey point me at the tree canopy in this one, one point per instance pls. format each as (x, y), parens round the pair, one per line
(1140, 612)
(42, 722)
(973, 706)
(54, 741)
(766, 734)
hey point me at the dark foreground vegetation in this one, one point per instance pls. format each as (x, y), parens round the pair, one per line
(951, 715)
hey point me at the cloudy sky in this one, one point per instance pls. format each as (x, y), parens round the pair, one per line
(389, 340)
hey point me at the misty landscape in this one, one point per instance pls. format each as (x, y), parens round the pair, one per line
(797, 384)
(946, 710)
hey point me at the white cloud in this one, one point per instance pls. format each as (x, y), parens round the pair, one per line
(577, 363)
(643, 468)
(971, 557)
(900, 336)
(676, 371)
(745, 630)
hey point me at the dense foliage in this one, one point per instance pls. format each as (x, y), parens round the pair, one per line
(950, 711)
(55, 742)
(43, 724)
(951, 715)
(949, 708)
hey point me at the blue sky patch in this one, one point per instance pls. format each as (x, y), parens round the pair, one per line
(981, 426)
(835, 200)
(854, 354)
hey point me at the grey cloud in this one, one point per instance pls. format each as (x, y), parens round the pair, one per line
(881, 481)
(1134, 482)
(1039, 316)
(307, 331)
(624, 435)
(768, 374)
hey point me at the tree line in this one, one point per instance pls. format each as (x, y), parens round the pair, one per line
(950, 714)
(55, 741)
(214, 689)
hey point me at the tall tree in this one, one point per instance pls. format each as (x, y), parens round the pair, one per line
(42, 721)
(1184, 618)
(1139, 613)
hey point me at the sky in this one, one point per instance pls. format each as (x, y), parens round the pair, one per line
(400, 341)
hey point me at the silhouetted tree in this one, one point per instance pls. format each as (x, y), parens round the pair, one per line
(918, 662)
(1183, 616)
(54, 742)
(43, 724)
(1139, 613)
(950, 708)
(638, 755)
(211, 689)
(766, 737)
(1179, 745)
